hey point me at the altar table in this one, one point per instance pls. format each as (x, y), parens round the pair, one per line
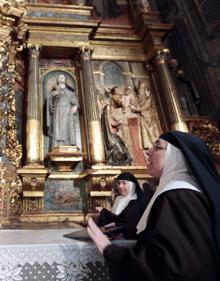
(45, 255)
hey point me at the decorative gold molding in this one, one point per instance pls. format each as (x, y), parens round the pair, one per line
(207, 130)
(32, 204)
(50, 218)
(100, 193)
(10, 25)
(33, 194)
(118, 51)
(10, 193)
(59, 7)
(33, 177)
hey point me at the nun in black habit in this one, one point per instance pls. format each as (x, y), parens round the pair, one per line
(127, 209)
(179, 232)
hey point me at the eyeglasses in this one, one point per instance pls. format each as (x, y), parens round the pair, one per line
(158, 147)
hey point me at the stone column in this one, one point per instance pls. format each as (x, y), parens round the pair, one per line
(33, 126)
(96, 144)
(168, 93)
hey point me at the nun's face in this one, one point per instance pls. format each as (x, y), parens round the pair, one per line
(156, 158)
(123, 187)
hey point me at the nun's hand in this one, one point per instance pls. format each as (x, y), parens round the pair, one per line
(100, 240)
(99, 209)
(111, 224)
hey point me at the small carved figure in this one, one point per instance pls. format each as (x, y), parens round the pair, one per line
(129, 102)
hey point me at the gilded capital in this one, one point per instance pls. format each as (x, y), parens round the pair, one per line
(142, 5)
(11, 14)
(86, 52)
(12, 8)
(34, 51)
(173, 63)
(149, 67)
(162, 56)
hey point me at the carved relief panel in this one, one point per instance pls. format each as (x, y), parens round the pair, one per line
(128, 111)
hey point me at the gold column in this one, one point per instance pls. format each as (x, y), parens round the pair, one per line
(33, 126)
(168, 93)
(96, 144)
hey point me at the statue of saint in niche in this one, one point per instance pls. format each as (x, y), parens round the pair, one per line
(62, 106)
(149, 125)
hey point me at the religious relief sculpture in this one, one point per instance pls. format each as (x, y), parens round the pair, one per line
(106, 8)
(143, 5)
(62, 106)
(116, 150)
(149, 125)
(129, 101)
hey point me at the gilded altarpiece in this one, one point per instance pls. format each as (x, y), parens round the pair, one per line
(113, 86)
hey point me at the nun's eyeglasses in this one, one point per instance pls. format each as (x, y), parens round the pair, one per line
(158, 147)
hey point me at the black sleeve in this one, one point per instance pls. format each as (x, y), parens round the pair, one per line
(177, 244)
(106, 217)
(129, 219)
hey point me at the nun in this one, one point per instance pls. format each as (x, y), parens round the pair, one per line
(127, 209)
(179, 232)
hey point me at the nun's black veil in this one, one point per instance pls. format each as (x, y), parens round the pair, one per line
(141, 197)
(202, 166)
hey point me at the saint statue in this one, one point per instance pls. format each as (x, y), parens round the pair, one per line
(62, 106)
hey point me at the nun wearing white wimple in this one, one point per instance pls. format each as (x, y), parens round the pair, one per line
(127, 209)
(179, 233)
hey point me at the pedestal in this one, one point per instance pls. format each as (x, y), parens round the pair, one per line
(66, 157)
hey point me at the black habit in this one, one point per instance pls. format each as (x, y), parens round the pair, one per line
(181, 241)
(177, 244)
(128, 219)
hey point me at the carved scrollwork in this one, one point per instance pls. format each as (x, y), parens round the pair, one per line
(209, 133)
(8, 132)
(100, 192)
(11, 26)
(15, 197)
(12, 31)
(11, 193)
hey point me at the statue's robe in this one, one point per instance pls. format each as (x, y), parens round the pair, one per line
(61, 120)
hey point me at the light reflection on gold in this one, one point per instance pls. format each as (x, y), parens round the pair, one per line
(180, 126)
(33, 140)
(97, 146)
(33, 194)
(100, 193)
